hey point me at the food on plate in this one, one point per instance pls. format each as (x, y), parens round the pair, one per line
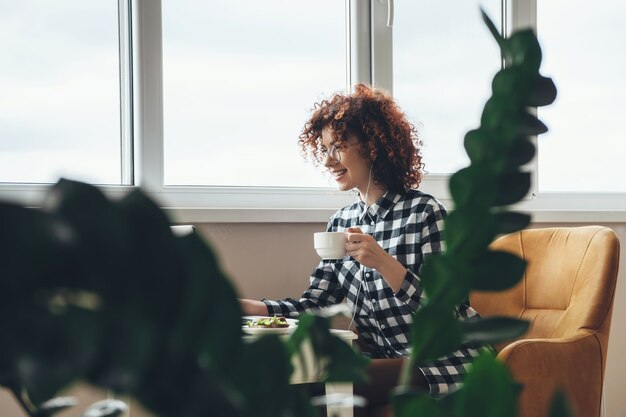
(268, 322)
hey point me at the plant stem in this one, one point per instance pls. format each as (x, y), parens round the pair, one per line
(407, 372)
(24, 401)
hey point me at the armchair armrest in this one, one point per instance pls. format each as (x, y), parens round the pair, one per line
(542, 366)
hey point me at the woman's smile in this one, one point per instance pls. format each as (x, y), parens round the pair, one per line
(338, 173)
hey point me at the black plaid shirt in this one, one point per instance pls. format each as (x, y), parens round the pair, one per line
(408, 226)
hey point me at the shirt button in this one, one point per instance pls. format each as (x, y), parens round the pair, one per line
(382, 326)
(372, 223)
(374, 301)
(367, 274)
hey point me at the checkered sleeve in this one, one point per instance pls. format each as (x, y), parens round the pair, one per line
(431, 242)
(445, 375)
(324, 290)
(432, 230)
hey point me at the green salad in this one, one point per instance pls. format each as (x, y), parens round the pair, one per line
(269, 322)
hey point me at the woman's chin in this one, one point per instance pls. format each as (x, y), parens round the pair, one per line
(343, 187)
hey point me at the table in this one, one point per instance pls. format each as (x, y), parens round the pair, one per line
(314, 374)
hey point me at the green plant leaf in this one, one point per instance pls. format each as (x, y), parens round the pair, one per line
(55, 405)
(508, 83)
(168, 387)
(521, 151)
(416, 404)
(49, 348)
(496, 271)
(338, 360)
(509, 222)
(530, 125)
(106, 408)
(488, 390)
(492, 28)
(140, 320)
(153, 254)
(445, 280)
(428, 341)
(523, 50)
(560, 406)
(313, 328)
(477, 146)
(512, 187)
(501, 116)
(98, 244)
(67, 197)
(263, 370)
(34, 247)
(482, 148)
(449, 401)
(208, 294)
(344, 364)
(543, 92)
(472, 187)
(468, 231)
(493, 329)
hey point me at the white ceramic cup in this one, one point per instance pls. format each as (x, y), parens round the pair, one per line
(330, 245)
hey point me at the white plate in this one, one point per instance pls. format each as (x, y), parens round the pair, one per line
(293, 323)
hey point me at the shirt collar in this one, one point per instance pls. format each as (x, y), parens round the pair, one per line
(381, 208)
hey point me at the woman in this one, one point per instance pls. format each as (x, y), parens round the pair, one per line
(366, 143)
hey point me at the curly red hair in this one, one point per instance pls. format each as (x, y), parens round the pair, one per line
(385, 135)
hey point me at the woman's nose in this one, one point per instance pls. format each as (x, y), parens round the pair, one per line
(328, 161)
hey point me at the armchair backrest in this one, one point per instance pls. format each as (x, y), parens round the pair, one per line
(568, 285)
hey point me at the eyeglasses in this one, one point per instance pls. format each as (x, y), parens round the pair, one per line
(334, 152)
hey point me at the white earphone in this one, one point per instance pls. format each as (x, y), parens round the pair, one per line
(361, 268)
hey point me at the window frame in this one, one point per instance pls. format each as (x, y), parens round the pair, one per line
(369, 55)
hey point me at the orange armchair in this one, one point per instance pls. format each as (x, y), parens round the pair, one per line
(567, 295)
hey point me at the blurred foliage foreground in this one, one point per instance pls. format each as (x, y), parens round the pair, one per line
(101, 291)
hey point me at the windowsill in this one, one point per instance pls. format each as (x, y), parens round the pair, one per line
(238, 215)
(285, 205)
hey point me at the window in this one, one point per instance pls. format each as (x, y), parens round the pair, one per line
(59, 83)
(209, 120)
(584, 150)
(237, 89)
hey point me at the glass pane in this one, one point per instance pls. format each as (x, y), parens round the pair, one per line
(240, 79)
(585, 148)
(59, 89)
(444, 59)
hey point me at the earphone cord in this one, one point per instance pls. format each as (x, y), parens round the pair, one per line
(361, 268)
(356, 300)
(366, 207)
(365, 294)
